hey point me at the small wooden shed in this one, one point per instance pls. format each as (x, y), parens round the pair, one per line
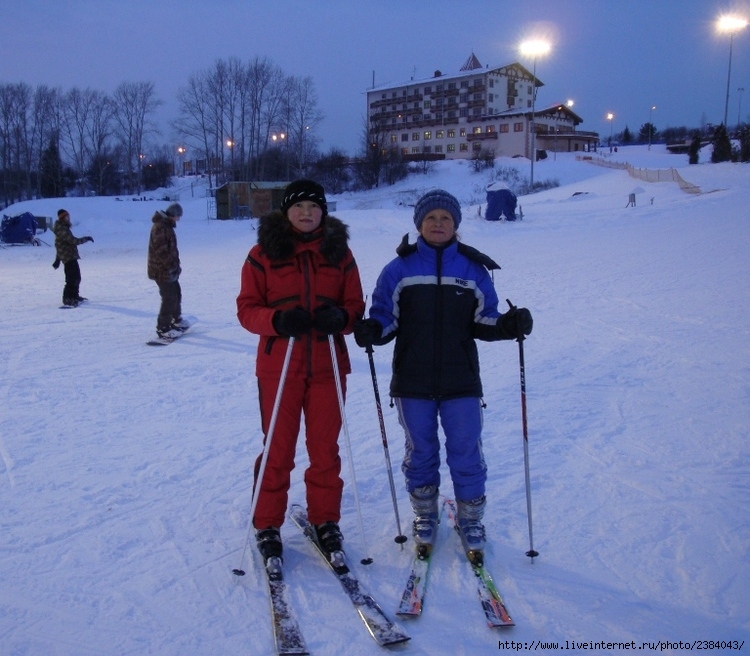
(238, 200)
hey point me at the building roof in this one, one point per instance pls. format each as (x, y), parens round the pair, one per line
(467, 69)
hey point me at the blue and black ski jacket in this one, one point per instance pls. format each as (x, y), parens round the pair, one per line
(435, 301)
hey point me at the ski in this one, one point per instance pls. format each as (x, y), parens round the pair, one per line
(383, 630)
(492, 603)
(286, 631)
(412, 599)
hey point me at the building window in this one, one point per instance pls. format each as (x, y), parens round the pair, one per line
(438, 149)
(427, 135)
(464, 111)
(477, 111)
(477, 129)
(518, 127)
(426, 104)
(451, 85)
(465, 84)
(451, 134)
(464, 148)
(492, 83)
(451, 115)
(478, 96)
(464, 97)
(404, 136)
(440, 134)
(415, 136)
(439, 87)
(404, 151)
(462, 132)
(427, 149)
(477, 145)
(428, 89)
(394, 138)
(415, 149)
(451, 148)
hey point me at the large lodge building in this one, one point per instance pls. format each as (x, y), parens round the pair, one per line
(478, 109)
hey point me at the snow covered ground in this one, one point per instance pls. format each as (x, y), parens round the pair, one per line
(125, 470)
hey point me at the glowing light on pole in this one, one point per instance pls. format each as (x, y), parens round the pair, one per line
(730, 24)
(650, 125)
(611, 119)
(534, 48)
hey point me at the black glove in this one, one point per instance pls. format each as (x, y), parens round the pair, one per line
(367, 332)
(87, 238)
(56, 263)
(292, 323)
(329, 319)
(515, 322)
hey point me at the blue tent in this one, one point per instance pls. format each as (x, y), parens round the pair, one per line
(501, 202)
(18, 229)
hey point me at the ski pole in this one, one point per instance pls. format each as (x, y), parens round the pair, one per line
(522, 366)
(266, 449)
(400, 538)
(335, 361)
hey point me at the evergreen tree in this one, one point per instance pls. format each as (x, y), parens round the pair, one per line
(51, 172)
(627, 137)
(695, 148)
(745, 143)
(722, 145)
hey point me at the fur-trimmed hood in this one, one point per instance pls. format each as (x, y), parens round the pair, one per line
(277, 237)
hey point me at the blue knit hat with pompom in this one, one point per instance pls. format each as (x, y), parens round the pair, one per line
(434, 200)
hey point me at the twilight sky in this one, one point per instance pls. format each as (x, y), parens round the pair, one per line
(619, 56)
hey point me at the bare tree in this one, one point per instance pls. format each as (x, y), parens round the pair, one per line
(196, 120)
(134, 104)
(15, 164)
(303, 117)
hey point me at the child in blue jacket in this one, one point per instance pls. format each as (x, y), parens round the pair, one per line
(435, 299)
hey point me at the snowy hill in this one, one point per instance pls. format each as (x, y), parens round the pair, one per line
(125, 471)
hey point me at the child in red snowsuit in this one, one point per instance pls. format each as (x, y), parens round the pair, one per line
(300, 280)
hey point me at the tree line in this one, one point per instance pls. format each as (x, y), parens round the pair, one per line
(240, 120)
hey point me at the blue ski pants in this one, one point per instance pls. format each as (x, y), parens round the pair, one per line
(461, 420)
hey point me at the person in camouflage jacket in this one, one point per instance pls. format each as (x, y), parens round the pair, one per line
(164, 269)
(66, 245)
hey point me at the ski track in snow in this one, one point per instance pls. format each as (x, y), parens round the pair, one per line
(125, 482)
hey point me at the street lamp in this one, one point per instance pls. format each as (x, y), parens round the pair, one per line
(534, 48)
(739, 107)
(650, 125)
(730, 24)
(611, 119)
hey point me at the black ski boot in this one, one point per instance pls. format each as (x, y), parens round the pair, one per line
(269, 543)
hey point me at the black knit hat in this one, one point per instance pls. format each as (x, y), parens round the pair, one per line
(300, 190)
(61, 214)
(175, 209)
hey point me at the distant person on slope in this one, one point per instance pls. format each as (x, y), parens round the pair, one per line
(66, 246)
(300, 280)
(164, 268)
(435, 299)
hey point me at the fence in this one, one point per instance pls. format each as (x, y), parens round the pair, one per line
(647, 175)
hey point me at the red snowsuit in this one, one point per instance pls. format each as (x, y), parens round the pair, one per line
(283, 270)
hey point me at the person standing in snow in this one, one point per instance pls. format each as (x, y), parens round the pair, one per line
(164, 269)
(66, 246)
(435, 299)
(300, 280)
